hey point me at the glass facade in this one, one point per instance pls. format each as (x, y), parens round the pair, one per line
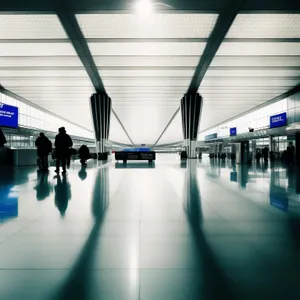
(33, 118)
(258, 119)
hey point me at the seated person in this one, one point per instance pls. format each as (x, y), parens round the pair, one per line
(84, 154)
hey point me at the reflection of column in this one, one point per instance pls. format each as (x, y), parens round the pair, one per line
(271, 143)
(191, 107)
(297, 148)
(192, 199)
(253, 150)
(101, 110)
(101, 193)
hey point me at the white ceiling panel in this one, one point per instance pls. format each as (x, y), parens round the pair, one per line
(145, 95)
(26, 26)
(174, 132)
(7, 83)
(247, 82)
(212, 116)
(145, 123)
(265, 26)
(140, 82)
(36, 49)
(152, 26)
(147, 48)
(145, 90)
(40, 61)
(256, 61)
(146, 61)
(256, 48)
(252, 73)
(147, 73)
(53, 89)
(42, 73)
(75, 114)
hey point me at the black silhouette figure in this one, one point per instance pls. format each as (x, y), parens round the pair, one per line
(63, 143)
(44, 147)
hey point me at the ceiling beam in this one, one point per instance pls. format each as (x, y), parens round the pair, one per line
(115, 114)
(72, 29)
(216, 38)
(165, 129)
(174, 6)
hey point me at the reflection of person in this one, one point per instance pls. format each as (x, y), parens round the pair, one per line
(2, 138)
(43, 187)
(62, 194)
(44, 147)
(63, 143)
(82, 173)
(290, 150)
(265, 153)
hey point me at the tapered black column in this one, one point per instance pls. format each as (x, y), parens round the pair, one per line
(191, 108)
(101, 110)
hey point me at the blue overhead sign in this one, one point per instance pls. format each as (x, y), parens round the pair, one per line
(9, 116)
(211, 136)
(233, 131)
(278, 120)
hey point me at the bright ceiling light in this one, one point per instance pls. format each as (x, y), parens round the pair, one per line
(144, 7)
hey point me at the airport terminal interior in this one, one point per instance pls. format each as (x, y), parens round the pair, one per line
(149, 150)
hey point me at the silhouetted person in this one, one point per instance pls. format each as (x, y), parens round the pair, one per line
(62, 194)
(290, 150)
(258, 156)
(43, 187)
(2, 138)
(44, 147)
(63, 143)
(82, 173)
(265, 153)
(84, 154)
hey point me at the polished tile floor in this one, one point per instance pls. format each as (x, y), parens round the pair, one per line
(171, 231)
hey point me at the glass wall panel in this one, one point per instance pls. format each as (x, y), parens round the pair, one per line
(31, 117)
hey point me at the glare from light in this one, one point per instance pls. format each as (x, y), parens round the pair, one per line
(144, 7)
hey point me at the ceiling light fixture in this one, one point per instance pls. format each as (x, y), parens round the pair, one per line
(144, 7)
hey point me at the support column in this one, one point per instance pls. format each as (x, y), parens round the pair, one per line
(297, 148)
(191, 108)
(101, 110)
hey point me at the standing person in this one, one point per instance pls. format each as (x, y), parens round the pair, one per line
(290, 150)
(2, 138)
(63, 143)
(265, 153)
(44, 147)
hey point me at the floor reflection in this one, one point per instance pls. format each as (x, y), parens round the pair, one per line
(135, 165)
(82, 174)
(43, 187)
(62, 194)
(79, 282)
(215, 283)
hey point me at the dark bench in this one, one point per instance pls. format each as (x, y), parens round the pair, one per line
(128, 155)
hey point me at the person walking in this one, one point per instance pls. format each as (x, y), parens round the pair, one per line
(44, 147)
(63, 143)
(2, 138)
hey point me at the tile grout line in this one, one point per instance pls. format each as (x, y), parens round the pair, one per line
(140, 254)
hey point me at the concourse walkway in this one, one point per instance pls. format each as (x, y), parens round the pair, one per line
(172, 231)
